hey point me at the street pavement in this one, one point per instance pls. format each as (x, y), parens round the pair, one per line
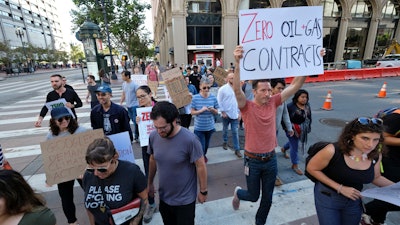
(292, 202)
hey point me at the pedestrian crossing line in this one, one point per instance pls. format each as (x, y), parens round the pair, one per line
(23, 151)
(16, 86)
(34, 119)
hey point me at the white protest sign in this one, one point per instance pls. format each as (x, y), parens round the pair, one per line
(389, 194)
(59, 103)
(123, 145)
(145, 125)
(139, 79)
(280, 42)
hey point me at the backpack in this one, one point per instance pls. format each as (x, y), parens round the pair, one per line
(313, 150)
(384, 112)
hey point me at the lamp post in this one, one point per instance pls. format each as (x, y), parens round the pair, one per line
(20, 34)
(102, 4)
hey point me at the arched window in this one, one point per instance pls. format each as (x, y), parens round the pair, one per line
(332, 8)
(391, 10)
(259, 4)
(362, 9)
(294, 3)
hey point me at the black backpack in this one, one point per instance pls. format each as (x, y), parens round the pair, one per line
(313, 150)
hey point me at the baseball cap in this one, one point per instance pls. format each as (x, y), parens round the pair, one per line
(104, 89)
(59, 112)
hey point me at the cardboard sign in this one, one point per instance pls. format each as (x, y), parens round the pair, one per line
(59, 103)
(145, 125)
(280, 42)
(64, 157)
(139, 79)
(219, 76)
(123, 145)
(172, 73)
(178, 91)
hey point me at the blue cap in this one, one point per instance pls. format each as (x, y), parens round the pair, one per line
(104, 89)
(59, 112)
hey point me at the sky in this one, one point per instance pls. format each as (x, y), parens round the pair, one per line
(65, 7)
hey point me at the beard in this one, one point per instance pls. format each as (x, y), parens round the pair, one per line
(170, 131)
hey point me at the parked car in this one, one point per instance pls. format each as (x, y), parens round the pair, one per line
(392, 60)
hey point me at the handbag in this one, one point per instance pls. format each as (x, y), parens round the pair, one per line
(126, 212)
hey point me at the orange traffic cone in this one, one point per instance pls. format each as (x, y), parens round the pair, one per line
(328, 102)
(382, 92)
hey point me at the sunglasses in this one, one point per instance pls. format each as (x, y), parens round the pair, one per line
(67, 118)
(100, 169)
(366, 121)
(205, 88)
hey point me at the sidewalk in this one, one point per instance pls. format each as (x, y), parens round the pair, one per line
(4, 76)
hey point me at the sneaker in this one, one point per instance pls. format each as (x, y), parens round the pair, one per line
(148, 214)
(366, 220)
(278, 182)
(238, 154)
(225, 146)
(236, 200)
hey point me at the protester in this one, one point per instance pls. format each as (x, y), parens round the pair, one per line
(19, 205)
(177, 156)
(145, 99)
(70, 96)
(194, 77)
(377, 209)
(300, 117)
(129, 88)
(105, 80)
(282, 116)
(230, 115)
(204, 107)
(64, 82)
(260, 132)
(61, 125)
(342, 168)
(91, 87)
(112, 118)
(110, 183)
(152, 72)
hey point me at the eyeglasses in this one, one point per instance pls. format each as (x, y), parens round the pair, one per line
(67, 118)
(100, 169)
(205, 88)
(100, 93)
(164, 128)
(366, 121)
(141, 96)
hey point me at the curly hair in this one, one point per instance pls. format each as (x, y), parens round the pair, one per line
(55, 130)
(346, 143)
(18, 195)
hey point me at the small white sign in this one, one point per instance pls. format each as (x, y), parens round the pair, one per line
(59, 103)
(122, 143)
(145, 125)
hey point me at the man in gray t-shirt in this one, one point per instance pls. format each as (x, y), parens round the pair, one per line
(177, 155)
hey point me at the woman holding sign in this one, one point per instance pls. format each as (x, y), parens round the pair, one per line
(145, 98)
(204, 107)
(61, 125)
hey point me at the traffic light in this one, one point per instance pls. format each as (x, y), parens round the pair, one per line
(124, 57)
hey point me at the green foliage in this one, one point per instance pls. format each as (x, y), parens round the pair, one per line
(76, 53)
(125, 22)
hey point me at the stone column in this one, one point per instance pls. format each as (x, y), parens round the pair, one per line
(370, 44)
(344, 23)
(179, 42)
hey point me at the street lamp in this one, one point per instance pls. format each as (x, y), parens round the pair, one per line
(102, 4)
(20, 34)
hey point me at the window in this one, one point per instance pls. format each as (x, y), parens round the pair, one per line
(390, 11)
(259, 4)
(362, 9)
(204, 6)
(331, 8)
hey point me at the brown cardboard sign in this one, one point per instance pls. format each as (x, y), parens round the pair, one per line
(178, 91)
(172, 73)
(64, 157)
(219, 76)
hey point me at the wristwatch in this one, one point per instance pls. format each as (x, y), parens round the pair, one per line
(204, 192)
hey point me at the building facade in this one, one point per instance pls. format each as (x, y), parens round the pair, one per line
(187, 31)
(36, 21)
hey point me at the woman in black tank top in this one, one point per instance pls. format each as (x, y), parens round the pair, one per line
(342, 171)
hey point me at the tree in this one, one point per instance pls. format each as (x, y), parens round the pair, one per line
(76, 53)
(125, 21)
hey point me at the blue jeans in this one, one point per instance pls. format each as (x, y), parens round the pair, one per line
(204, 138)
(234, 129)
(132, 115)
(293, 145)
(334, 208)
(261, 174)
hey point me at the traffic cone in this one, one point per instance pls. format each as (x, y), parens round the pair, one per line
(382, 92)
(328, 102)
